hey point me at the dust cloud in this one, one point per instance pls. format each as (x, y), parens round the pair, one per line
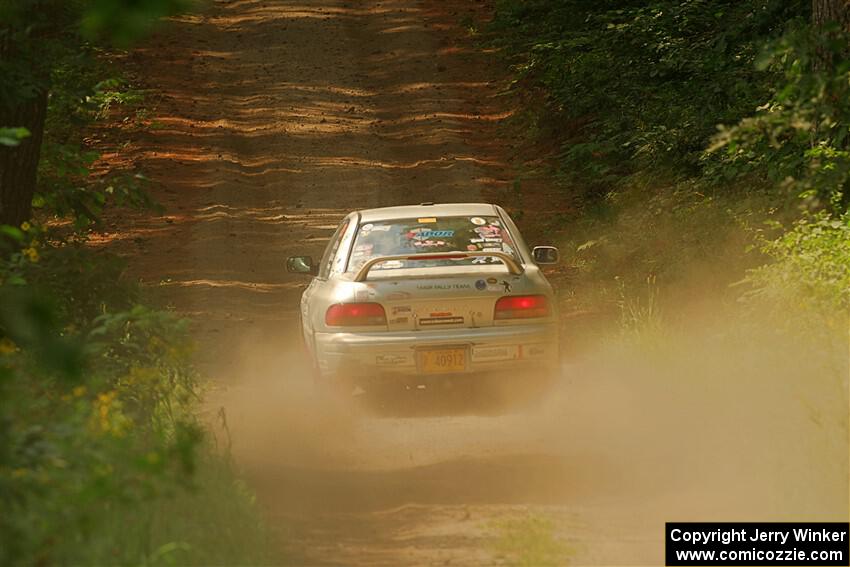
(721, 422)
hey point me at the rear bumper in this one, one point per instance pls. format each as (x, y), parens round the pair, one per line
(488, 350)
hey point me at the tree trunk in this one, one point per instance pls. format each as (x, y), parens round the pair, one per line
(829, 11)
(19, 164)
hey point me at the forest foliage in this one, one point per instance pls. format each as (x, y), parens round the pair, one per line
(678, 124)
(103, 457)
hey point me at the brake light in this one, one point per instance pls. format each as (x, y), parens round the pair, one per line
(521, 307)
(355, 315)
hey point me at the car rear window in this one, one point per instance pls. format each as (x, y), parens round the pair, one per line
(428, 235)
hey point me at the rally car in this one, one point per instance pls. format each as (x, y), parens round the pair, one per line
(415, 293)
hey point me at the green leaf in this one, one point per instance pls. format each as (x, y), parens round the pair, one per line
(11, 137)
(12, 232)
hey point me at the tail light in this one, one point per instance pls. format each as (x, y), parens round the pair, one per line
(521, 307)
(355, 315)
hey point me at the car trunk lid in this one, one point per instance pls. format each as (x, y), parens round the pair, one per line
(452, 302)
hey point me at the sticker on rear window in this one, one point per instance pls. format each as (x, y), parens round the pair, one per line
(408, 237)
(389, 265)
(425, 233)
(489, 231)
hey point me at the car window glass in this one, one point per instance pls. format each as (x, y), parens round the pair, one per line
(428, 235)
(341, 252)
(331, 249)
(512, 229)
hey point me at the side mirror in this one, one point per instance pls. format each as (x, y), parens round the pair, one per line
(546, 255)
(301, 265)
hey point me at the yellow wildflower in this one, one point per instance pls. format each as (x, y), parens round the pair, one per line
(31, 254)
(25, 226)
(108, 417)
(7, 346)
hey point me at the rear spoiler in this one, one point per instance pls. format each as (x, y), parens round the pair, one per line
(509, 261)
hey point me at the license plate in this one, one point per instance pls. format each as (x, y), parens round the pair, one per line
(442, 361)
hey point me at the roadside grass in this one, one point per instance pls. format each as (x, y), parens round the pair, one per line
(212, 520)
(103, 457)
(529, 541)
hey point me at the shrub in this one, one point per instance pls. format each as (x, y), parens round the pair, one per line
(630, 85)
(97, 424)
(810, 265)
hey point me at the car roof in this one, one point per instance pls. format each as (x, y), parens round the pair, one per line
(441, 210)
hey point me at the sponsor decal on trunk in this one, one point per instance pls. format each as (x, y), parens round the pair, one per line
(393, 359)
(431, 321)
(444, 286)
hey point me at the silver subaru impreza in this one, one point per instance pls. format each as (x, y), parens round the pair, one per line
(414, 293)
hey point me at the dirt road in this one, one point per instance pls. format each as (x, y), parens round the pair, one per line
(276, 118)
